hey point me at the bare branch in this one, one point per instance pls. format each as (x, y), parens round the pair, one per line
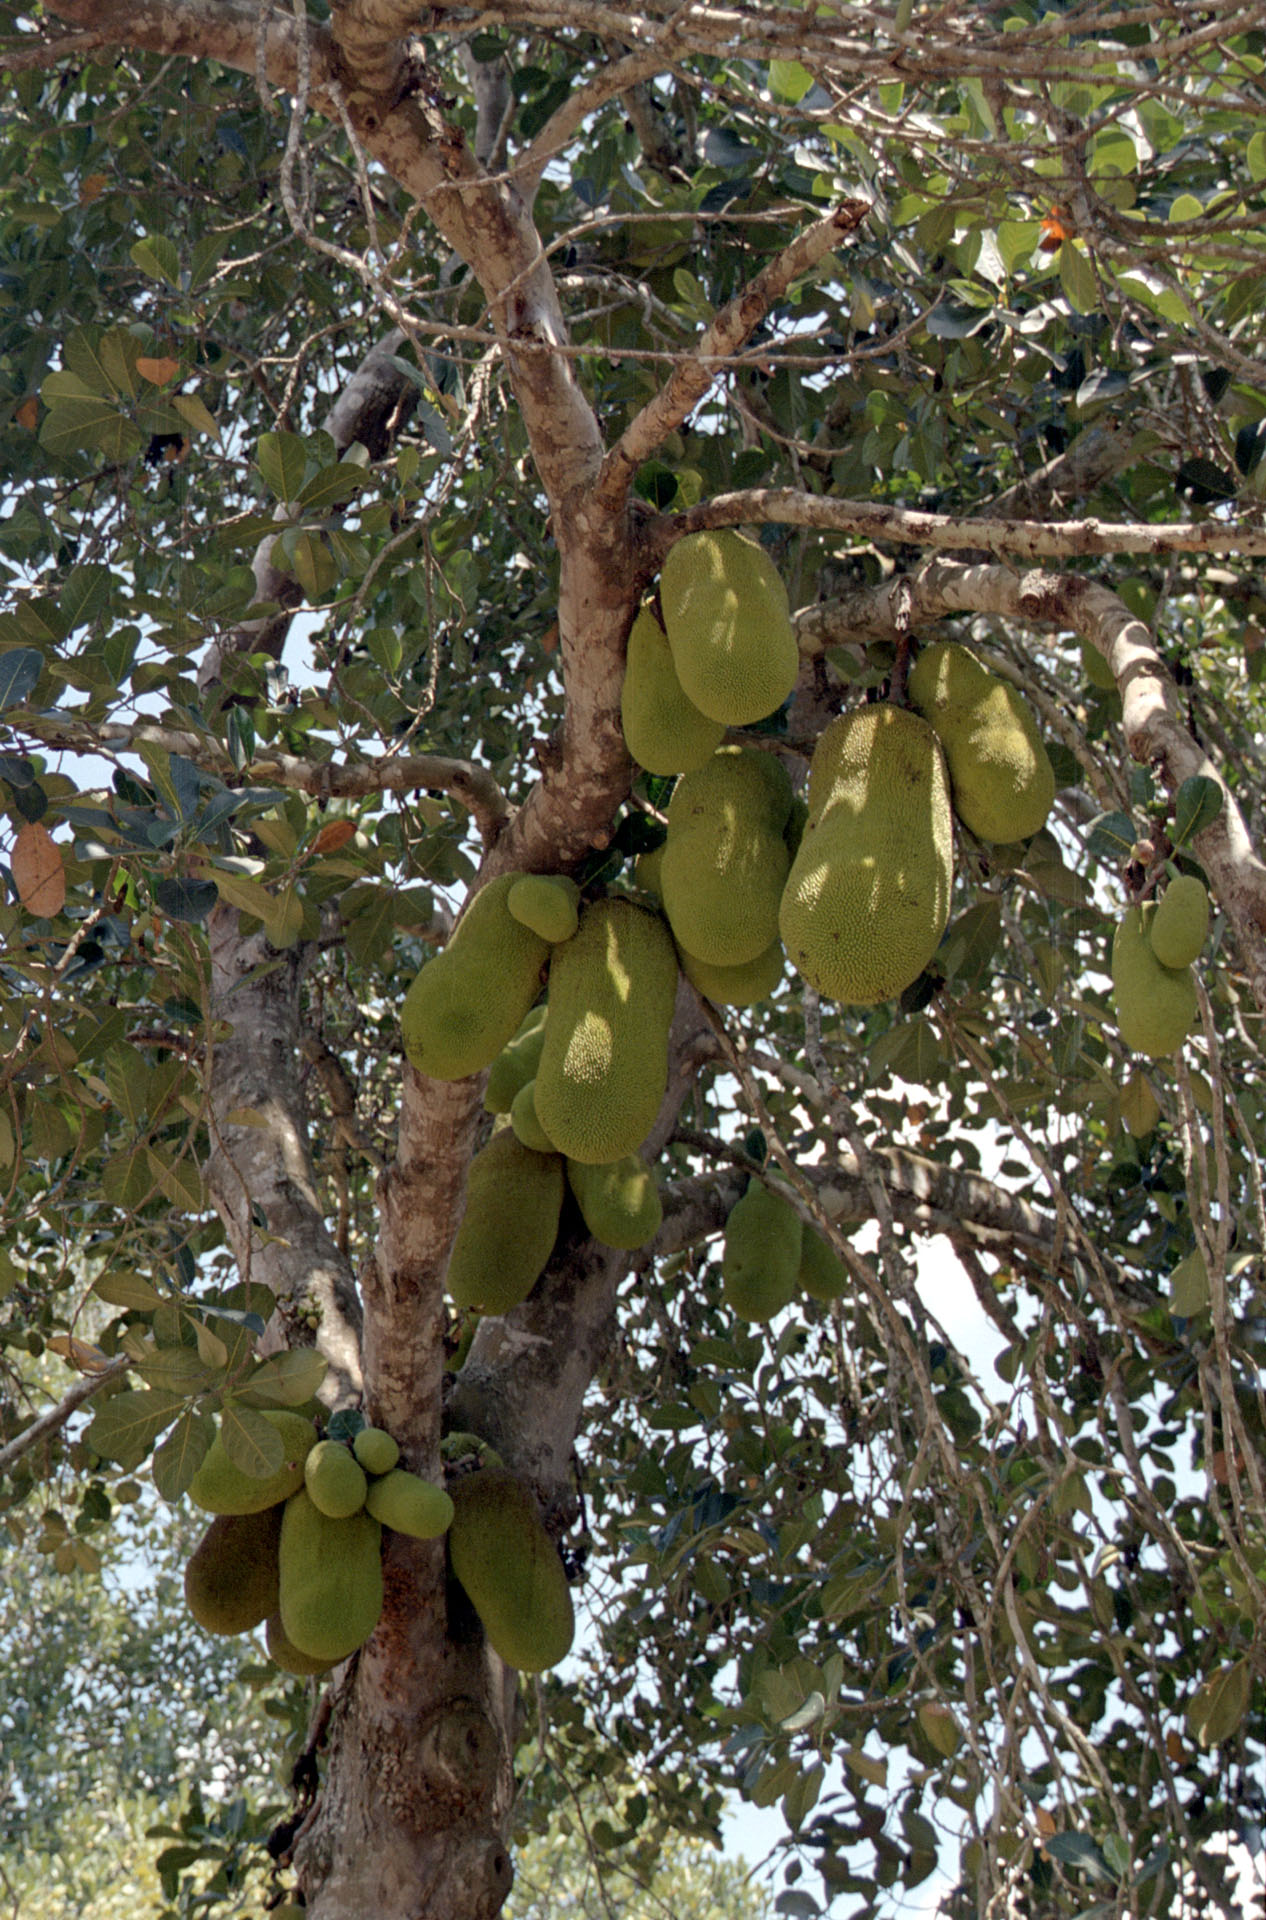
(691, 379)
(56, 1417)
(564, 120)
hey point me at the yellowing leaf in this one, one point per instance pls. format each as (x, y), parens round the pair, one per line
(333, 835)
(80, 1353)
(196, 414)
(157, 371)
(1216, 1709)
(38, 873)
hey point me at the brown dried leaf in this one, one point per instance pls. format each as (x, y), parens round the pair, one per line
(38, 873)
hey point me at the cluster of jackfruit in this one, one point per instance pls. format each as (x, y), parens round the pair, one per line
(300, 1550)
(1153, 986)
(1001, 777)
(769, 1252)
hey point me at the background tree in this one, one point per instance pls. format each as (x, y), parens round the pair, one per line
(439, 332)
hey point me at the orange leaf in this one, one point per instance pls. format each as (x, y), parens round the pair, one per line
(1056, 228)
(28, 413)
(158, 372)
(80, 1354)
(91, 187)
(333, 835)
(550, 640)
(38, 873)
(1045, 1822)
(1175, 1746)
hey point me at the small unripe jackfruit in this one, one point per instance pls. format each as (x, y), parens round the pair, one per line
(1000, 775)
(760, 1262)
(547, 903)
(1156, 1005)
(231, 1576)
(737, 986)
(868, 894)
(513, 1200)
(466, 1003)
(335, 1479)
(604, 1065)
(330, 1579)
(822, 1272)
(376, 1451)
(1180, 925)
(725, 859)
(219, 1486)
(516, 1064)
(510, 1570)
(409, 1504)
(527, 1128)
(663, 730)
(620, 1202)
(729, 626)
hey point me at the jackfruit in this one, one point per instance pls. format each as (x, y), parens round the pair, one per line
(619, 1202)
(547, 903)
(467, 1003)
(330, 1579)
(510, 1570)
(822, 1272)
(376, 1451)
(335, 1479)
(221, 1487)
(648, 871)
(1000, 776)
(527, 1127)
(516, 1064)
(409, 1504)
(737, 986)
(760, 1261)
(513, 1200)
(231, 1575)
(1156, 1005)
(868, 894)
(1180, 924)
(725, 859)
(286, 1655)
(604, 1065)
(663, 730)
(729, 626)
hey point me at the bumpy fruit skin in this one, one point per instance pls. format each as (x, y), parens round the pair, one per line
(725, 860)
(868, 894)
(330, 1579)
(527, 1128)
(604, 1065)
(510, 1570)
(547, 903)
(663, 729)
(619, 1203)
(516, 1064)
(729, 626)
(822, 1272)
(1156, 1005)
(335, 1479)
(737, 986)
(231, 1575)
(466, 1003)
(286, 1655)
(409, 1504)
(760, 1262)
(513, 1200)
(1000, 775)
(220, 1487)
(1180, 925)
(376, 1451)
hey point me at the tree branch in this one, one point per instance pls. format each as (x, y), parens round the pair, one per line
(690, 381)
(56, 1417)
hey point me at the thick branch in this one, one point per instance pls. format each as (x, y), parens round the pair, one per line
(56, 1417)
(690, 381)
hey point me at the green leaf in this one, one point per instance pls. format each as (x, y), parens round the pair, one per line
(1077, 279)
(252, 1443)
(789, 81)
(177, 1370)
(1112, 838)
(125, 1427)
(20, 668)
(1197, 804)
(187, 900)
(156, 255)
(1217, 1708)
(283, 463)
(128, 1290)
(285, 1379)
(90, 426)
(1079, 1850)
(1189, 1286)
(181, 1454)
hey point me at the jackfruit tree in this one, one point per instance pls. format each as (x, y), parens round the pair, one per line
(647, 1246)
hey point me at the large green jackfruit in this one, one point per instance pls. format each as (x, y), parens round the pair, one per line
(822, 1272)
(409, 1504)
(1000, 775)
(1180, 924)
(330, 1579)
(737, 986)
(1156, 1005)
(283, 1652)
(760, 1260)
(663, 730)
(513, 1200)
(516, 1063)
(221, 1487)
(547, 903)
(335, 1479)
(231, 1576)
(619, 1202)
(868, 894)
(729, 626)
(510, 1570)
(604, 1065)
(466, 1003)
(725, 860)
